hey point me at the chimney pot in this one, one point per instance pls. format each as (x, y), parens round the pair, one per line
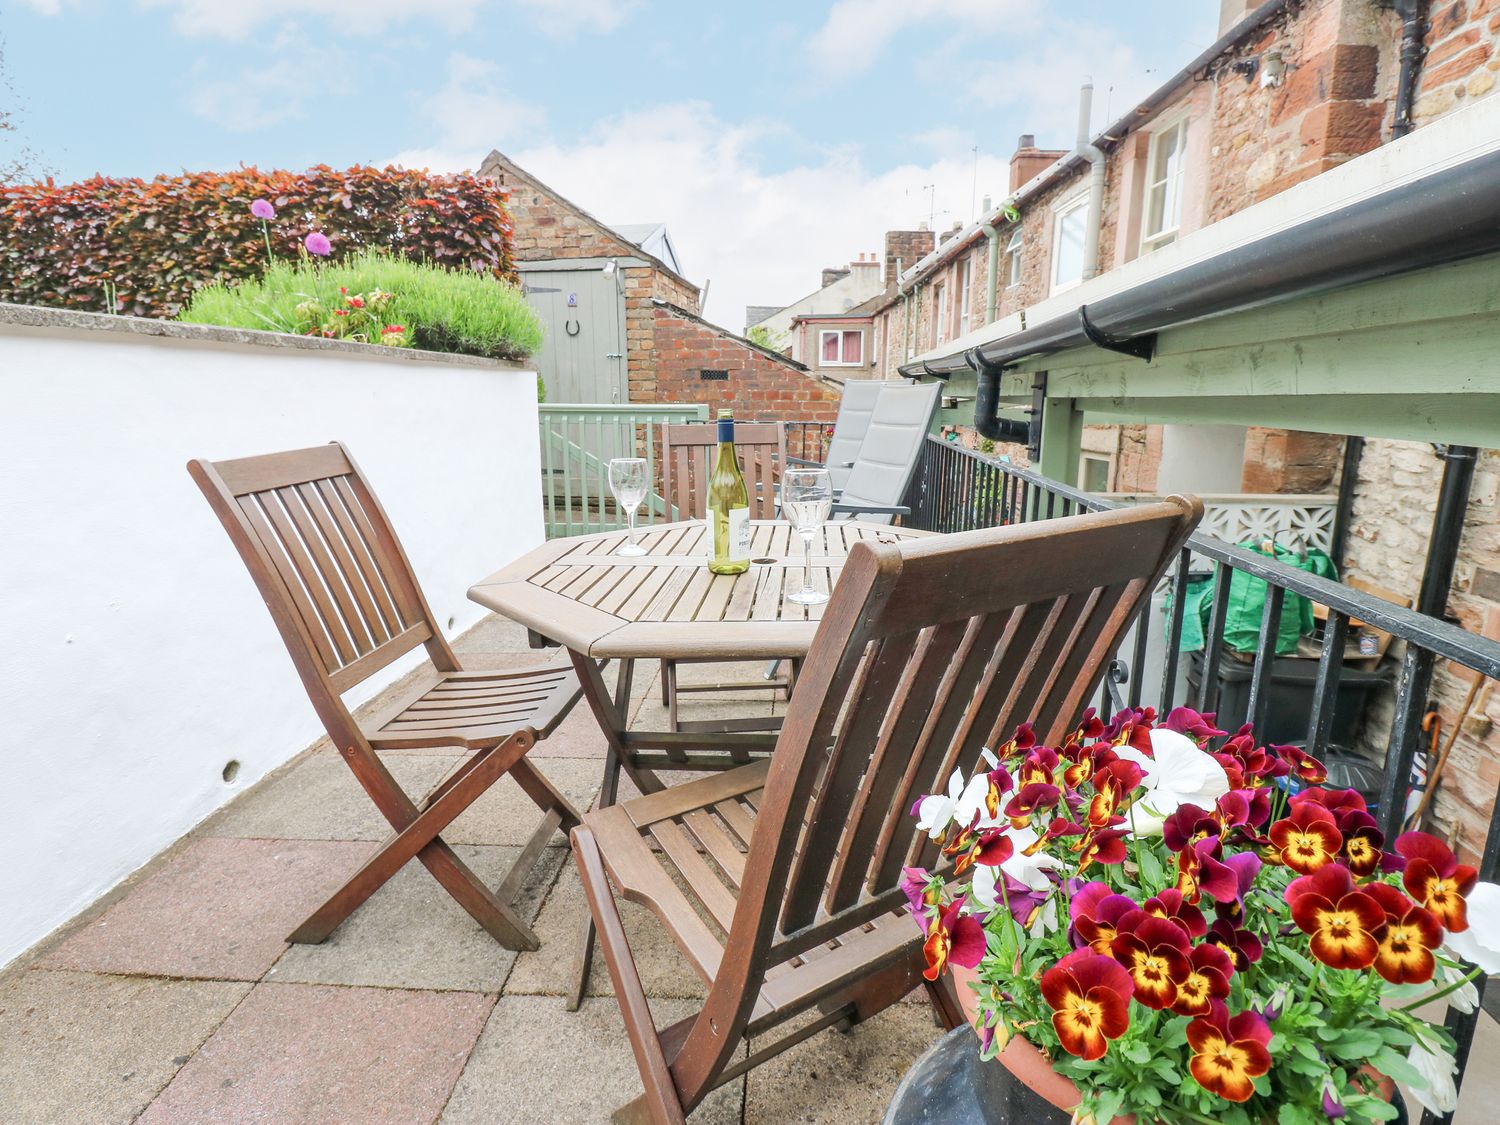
(1028, 140)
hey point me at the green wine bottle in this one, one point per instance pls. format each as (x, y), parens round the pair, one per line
(728, 506)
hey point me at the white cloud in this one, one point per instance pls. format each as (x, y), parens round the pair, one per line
(563, 19)
(236, 19)
(471, 114)
(44, 7)
(857, 32)
(760, 234)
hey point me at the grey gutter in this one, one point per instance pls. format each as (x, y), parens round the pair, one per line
(1449, 216)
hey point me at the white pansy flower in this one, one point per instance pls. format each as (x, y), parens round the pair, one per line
(1028, 870)
(936, 812)
(1437, 1068)
(1464, 998)
(1178, 774)
(1480, 943)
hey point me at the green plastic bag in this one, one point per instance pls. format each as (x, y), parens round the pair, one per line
(1247, 604)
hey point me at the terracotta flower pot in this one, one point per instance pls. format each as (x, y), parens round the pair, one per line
(1034, 1070)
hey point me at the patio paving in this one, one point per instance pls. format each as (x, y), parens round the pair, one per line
(176, 999)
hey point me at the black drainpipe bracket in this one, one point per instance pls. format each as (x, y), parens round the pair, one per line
(931, 374)
(1141, 347)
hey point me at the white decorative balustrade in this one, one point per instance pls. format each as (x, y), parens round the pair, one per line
(1293, 520)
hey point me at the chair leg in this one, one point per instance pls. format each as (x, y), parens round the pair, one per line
(583, 958)
(661, 1103)
(419, 838)
(669, 692)
(944, 1002)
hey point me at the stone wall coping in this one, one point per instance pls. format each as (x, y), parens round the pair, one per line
(32, 316)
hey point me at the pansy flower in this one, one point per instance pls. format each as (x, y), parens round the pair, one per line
(1194, 724)
(1307, 839)
(1096, 912)
(953, 936)
(1229, 1054)
(1102, 845)
(1242, 946)
(1342, 921)
(1207, 980)
(1303, 764)
(1032, 797)
(1200, 871)
(1090, 1000)
(1171, 905)
(1407, 940)
(1155, 953)
(1436, 879)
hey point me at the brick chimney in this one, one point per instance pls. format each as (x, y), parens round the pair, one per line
(906, 247)
(1028, 160)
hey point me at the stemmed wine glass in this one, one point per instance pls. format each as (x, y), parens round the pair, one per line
(627, 480)
(806, 497)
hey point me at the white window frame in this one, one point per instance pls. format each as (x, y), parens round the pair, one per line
(965, 277)
(1102, 458)
(1061, 213)
(1171, 224)
(841, 361)
(1013, 249)
(939, 314)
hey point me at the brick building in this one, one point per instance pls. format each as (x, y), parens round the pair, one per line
(624, 325)
(1292, 91)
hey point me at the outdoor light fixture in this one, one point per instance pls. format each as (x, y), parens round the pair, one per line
(1273, 69)
(610, 267)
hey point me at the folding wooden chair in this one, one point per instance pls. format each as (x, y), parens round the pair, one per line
(687, 452)
(780, 881)
(345, 600)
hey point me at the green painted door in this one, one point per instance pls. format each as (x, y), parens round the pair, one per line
(583, 355)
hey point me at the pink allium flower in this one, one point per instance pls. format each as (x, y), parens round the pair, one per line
(262, 209)
(318, 244)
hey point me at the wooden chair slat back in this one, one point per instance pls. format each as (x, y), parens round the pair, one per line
(929, 650)
(687, 452)
(326, 561)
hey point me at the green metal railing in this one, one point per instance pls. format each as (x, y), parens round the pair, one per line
(578, 441)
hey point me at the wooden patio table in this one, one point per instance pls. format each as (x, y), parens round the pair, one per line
(603, 607)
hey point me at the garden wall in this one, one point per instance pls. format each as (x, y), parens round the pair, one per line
(137, 658)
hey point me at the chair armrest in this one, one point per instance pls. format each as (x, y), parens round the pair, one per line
(871, 509)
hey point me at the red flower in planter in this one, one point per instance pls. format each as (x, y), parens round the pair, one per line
(1229, 1054)
(1171, 905)
(1103, 845)
(1408, 938)
(1030, 798)
(1155, 952)
(1303, 764)
(1341, 920)
(1436, 879)
(1308, 839)
(1207, 980)
(953, 936)
(1096, 912)
(1090, 1000)
(1243, 947)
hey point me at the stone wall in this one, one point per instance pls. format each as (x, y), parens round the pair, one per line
(1290, 461)
(760, 384)
(1462, 60)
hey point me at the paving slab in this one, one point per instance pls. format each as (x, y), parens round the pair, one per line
(319, 799)
(548, 971)
(86, 1048)
(840, 1077)
(577, 736)
(218, 910)
(411, 934)
(493, 633)
(536, 1063)
(298, 1053)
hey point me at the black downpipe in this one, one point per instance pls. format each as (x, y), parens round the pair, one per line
(987, 418)
(1449, 216)
(1413, 15)
(1354, 449)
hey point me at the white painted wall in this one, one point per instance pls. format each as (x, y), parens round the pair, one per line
(136, 657)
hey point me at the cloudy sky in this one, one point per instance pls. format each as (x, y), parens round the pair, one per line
(774, 137)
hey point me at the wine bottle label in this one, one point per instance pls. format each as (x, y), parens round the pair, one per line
(739, 534)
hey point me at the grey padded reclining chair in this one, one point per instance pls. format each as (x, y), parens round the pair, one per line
(878, 479)
(849, 428)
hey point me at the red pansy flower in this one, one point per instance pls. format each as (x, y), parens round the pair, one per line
(1303, 764)
(1308, 839)
(1408, 938)
(1155, 953)
(1171, 905)
(1229, 1054)
(1207, 980)
(1243, 947)
(1103, 845)
(1090, 1000)
(953, 936)
(1436, 879)
(1096, 912)
(1029, 799)
(1341, 920)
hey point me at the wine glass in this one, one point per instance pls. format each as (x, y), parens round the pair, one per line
(806, 498)
(627, 480)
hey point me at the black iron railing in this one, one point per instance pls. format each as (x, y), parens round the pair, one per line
(956, 489)
(808, 440)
